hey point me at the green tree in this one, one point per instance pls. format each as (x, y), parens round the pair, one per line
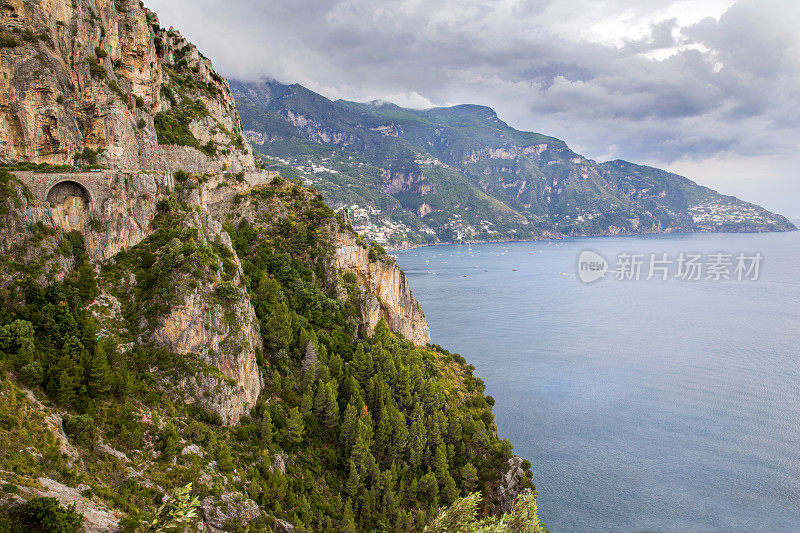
(348, 519)
(225, 458)
(348, 431)
(277, 326)
(169, 440)
(100, 375)
(428, 486)
(353, 480)
(67, 387)
(266, 427)
(325, 406)
(469, 477)
(46, 513)
(295, 427)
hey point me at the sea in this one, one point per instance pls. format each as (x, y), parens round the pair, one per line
(662, 396)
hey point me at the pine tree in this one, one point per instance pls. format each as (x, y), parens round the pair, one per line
(348, 519)
(440, 463)
(361, 454)
(307, 404)
(362, 364)
(294, 426)
(266, 428)
(428, 486)
(335, 364)
(67, 387)
(400, 437)
(469, 478)
(383, 433)
(325, 406)
(348, 432)
(418, 438)
(278, 324)
(449, 490)
(353, 480)
(100, 375)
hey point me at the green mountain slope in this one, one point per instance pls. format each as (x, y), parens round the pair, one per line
(121, 377)
(460, 173)
(184, 338)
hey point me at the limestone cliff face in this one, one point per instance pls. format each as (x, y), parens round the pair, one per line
(102, 75)
(224, 335)
(388, 292)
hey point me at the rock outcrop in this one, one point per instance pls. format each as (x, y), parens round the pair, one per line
(223, 334)
(99, 81)
(514, 483)
(228, 513)
(97, 518)
(388, 292)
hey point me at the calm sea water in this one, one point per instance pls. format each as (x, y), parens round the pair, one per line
(642, 406)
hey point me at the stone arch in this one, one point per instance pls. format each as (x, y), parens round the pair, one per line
(62, 190)
(70, 204)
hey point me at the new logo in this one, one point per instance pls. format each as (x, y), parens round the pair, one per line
(591, 266)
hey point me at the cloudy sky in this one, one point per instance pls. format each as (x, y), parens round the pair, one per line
(706, 88)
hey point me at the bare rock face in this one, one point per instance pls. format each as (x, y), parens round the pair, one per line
(513, 484)
(100, 80)
(388, 292)
(225, 335)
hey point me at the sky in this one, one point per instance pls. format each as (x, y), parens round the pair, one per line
(706, 88)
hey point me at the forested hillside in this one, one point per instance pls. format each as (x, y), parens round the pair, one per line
(460, 173)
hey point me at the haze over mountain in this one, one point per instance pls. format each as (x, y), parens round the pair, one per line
(461, 173)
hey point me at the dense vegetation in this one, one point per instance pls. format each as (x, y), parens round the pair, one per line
(355, 431)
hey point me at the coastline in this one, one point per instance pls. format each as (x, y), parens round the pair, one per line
(409, 246)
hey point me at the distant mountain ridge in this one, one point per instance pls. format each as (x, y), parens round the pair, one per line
(462, 174)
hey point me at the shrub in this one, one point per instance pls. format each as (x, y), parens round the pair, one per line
(227, 291)
(81, 429)
(51, 517)
(32, 374)
(88, 156)
(99, 52)
(96, 69)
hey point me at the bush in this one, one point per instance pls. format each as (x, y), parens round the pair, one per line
(96, 69)
(32, 374)
(81, 429)
(227, 291)
(51, 517)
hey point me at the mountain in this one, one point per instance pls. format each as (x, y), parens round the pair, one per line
(93, 83)
(186, 341)
(461, 174)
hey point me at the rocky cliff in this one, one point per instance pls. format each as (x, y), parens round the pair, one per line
(175, 325)
(99, 81)
(388, 292)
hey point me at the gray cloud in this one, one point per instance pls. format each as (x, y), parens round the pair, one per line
(646, 80)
